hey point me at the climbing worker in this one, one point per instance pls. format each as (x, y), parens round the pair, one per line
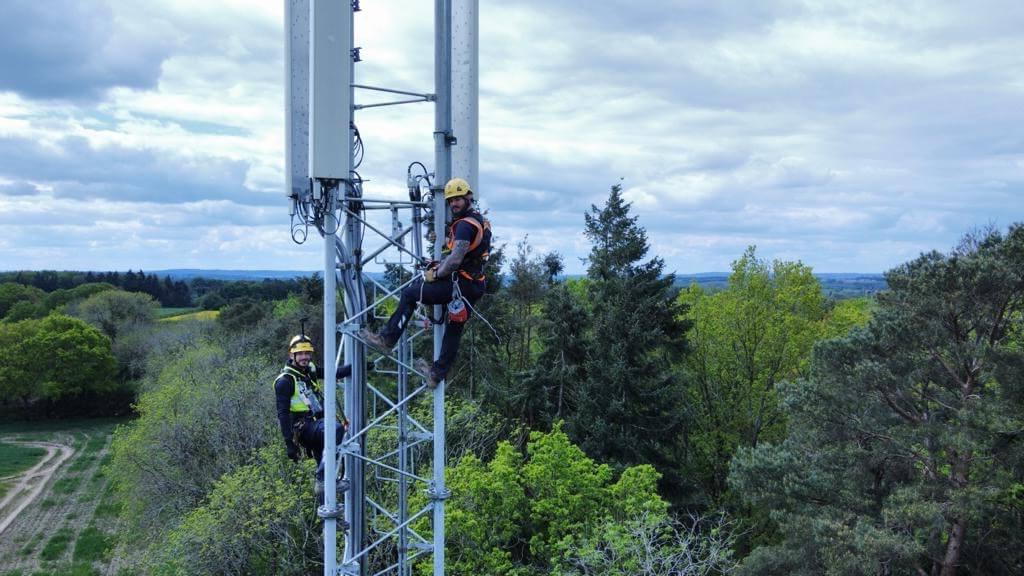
(300, 410)
(457, 280)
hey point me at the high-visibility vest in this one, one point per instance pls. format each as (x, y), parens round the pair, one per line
(305, 390)
(472, 266)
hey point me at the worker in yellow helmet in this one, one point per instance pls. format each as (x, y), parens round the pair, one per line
(467, 249)
(300, 410)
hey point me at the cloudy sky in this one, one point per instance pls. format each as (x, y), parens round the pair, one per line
(851, 135)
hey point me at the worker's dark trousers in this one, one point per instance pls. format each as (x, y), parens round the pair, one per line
(439, 292)
(311, 437)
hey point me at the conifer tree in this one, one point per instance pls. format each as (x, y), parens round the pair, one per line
(554, 382)
(629, 406)
(905, 452)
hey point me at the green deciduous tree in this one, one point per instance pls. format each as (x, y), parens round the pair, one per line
(846, 315)
(630, 407)
(12, 293)
(64, 296)
(200, 418)
(244, 314)
(116, 311)
(127, 319)
(904, 446)
(526, 514)
(24, 310)
(745, 340)
(78, 358)
(55, 361)
(257, 519)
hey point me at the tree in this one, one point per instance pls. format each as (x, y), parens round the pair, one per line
(257, 519)
(630, 407)
(175, 293)
(243, 314)
(63, 297)
(526, 287)
(79, 358)
(58, 361)
(17, 381)
(517, 313)
(126, 318)
(649, 546)
(202, 415)
(24, 310)
(554, 382)
(904, 451)
(115, 311)
(212, 301)
(847, 314)
(744, 341)
(12, 294)
(524, 514)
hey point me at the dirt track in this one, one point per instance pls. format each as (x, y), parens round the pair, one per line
(58, 496)
(29, 485)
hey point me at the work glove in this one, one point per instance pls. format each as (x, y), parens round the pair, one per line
(293, 452)
(430, 274)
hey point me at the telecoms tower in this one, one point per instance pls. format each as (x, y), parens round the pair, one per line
(393, 455)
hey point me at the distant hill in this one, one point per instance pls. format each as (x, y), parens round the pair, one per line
(845, 285)
(190, 273)
(835, 284)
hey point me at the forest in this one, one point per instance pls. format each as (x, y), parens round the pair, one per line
(618, 424)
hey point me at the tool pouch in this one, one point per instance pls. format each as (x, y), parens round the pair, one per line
(457, 311)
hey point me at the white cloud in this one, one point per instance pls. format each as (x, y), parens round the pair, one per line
(851, 135)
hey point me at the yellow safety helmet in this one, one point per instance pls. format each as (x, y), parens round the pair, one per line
(300, 343)
(456, 187)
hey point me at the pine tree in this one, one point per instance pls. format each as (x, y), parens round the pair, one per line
(130, 283)
(905, 452)
(629, 407)
(167, 294)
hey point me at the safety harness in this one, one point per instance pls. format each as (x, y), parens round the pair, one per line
(305, 394)
(472, 267)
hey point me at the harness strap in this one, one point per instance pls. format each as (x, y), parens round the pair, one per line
(481, 226)
(477, 238)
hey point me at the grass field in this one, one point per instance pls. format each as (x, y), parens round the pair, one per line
(69, 530)
(15, 458)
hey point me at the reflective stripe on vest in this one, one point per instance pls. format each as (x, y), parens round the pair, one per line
(298, 402)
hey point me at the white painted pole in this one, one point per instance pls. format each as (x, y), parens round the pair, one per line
(465, 90)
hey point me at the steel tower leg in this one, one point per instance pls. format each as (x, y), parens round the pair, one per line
(443, 140)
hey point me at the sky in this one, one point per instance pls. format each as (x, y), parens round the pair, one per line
(848, 135)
